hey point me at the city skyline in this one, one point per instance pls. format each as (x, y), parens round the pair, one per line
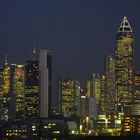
(108, 104)
(80, 34)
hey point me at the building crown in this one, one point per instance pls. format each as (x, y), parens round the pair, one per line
(125, 26)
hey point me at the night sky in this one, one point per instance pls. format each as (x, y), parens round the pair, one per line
(80, 33)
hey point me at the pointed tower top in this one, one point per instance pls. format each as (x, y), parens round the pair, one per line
(34, 54)
(6, 60)
(125, 26)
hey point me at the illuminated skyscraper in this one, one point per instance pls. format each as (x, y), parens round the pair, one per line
(131, 122)
(45, 69)
(124, 65)
(136, 98)
(68, 90)
(32, 89)
(103, 105)
(3, 108)
(6, 88)
(91, 96)
(17, 91)
(110, 89)
(97, 90)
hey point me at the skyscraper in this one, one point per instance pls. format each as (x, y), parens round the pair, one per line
(68, 91)
(124, 65)
(32, 89)
(103, 105)
(137, 88)
(110, 89)
(45, 69)
(6, 89)
(17, 91)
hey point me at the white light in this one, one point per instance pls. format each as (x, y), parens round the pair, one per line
(83, 97)
(72, 131)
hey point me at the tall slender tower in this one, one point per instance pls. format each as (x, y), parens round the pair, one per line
(124, 65)
(45, 69)
(32, 89)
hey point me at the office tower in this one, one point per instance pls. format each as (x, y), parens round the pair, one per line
(89, 88)
(68, 91)
(103, 105)
(124, 65)
(110, 88)
(6, 88)
(94, 92)
(83, 108)
(17, 91)
(97, 89)
(3, 107)
(45, 69)
(131, 122)
(32, 89)
(91, 96)
(110, 79)
(136, 98)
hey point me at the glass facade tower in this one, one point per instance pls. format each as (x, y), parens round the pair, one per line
(32, 89)
(124, 65)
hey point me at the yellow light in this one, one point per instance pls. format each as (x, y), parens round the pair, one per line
(81, 127)
(56, 132)
(89, 132)
(72, 131)
(126, 130)
(45, 126)
(87, 118)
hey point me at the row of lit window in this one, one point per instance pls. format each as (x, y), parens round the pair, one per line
(50, 125)
(23, 130)
(12, 134)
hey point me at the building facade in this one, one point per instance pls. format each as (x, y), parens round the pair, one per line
(68, 91)
(124, 65)
(17, 104)
(32, 89)
(45, 70)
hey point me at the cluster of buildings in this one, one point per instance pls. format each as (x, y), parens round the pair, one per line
(109, 104)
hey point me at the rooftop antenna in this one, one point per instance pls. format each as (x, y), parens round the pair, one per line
(34, 52)
(6, 60)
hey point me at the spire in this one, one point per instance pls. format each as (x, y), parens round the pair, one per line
(125, 26)
(34, 54)
(6, 60)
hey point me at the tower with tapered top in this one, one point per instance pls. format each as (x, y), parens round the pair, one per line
(124, 65)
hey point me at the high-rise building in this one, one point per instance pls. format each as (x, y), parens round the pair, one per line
(45, 69)
(3, 107)
(91, 96)
(124, 65)
(103, 105)
(6, 89)
(32, 89)
(110, 88)
(68, 91)
(97, 88)
(131, 122)
(17, 103)
(136, 97)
